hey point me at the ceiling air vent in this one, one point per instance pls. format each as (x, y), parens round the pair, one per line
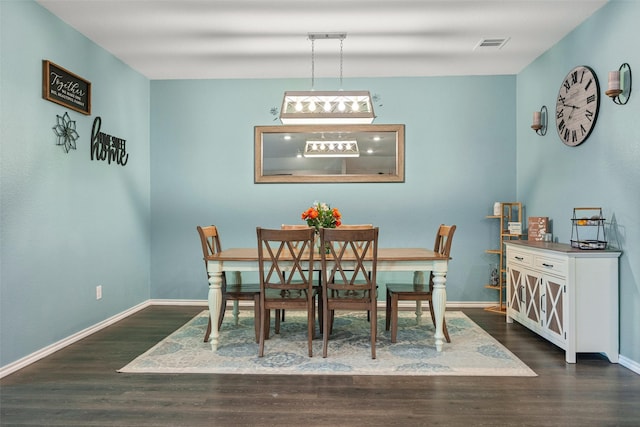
(496, 43)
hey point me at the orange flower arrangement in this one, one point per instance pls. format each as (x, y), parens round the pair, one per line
(322, 215)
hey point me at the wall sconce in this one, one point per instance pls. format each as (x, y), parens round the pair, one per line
(620, 85)
(540, 121)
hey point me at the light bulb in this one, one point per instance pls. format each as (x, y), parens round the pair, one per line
(327, 106)
(298, 106)
(355, 106)
(341, 106)
(312, 106)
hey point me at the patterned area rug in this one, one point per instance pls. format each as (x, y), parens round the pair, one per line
(472, 351)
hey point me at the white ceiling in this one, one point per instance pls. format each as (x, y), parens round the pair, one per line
(201, 39)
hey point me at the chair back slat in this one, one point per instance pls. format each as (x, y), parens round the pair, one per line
(444, 238)
(285, 250)
(296, 227)
(210, 240)
(352, 259)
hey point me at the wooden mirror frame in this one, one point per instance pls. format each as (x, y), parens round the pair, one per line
(360, 132)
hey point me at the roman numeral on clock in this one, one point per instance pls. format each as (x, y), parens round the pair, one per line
(589, 115)
(588, 84)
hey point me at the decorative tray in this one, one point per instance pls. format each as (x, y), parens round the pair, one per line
(589, 244)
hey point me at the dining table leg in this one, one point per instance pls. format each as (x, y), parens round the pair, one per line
(215, 305)
(418, 280)
(439, 301)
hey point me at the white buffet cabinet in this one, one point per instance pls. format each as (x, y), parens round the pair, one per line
(566, 295)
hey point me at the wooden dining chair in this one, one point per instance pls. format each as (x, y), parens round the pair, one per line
(349, 276)
(417, 292)
(285, 268)
(318, 284)
(210, 239)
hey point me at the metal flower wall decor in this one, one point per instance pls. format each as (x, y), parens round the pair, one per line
(65, 130)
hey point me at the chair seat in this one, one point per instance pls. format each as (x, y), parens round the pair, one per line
(239, 292)
(287, 294)
(350, 294)
(409, 290)
(243, 291)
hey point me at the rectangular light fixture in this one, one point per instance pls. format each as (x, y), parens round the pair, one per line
(324, 148)
(326, 107)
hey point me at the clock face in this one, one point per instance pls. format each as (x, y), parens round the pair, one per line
(577, 105)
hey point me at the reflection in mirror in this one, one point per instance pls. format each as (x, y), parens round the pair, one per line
(329, 153)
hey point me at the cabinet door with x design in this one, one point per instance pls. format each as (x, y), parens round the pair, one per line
(536, 294)
(553, 308)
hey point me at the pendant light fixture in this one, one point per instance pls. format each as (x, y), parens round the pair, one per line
(326, 107)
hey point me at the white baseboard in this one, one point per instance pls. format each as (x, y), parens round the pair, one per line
(50, 349)
(629, 364)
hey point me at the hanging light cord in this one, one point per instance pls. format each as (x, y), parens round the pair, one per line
(341, 40)
(312, 37)
(313, 64)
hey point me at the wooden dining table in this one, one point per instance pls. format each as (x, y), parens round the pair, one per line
(417, 260)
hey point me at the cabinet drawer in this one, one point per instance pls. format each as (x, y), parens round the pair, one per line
(521, 258)
(550, 265)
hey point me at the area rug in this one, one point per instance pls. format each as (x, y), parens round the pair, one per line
(472, 351)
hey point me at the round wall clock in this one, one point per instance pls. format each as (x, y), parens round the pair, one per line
(577, 105)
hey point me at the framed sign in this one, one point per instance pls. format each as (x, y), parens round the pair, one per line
(65, 88)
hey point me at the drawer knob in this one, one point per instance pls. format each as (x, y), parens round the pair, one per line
(547, 265)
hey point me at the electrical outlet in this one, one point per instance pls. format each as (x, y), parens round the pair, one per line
(99, 292)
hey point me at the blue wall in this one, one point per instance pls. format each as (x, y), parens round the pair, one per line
(68, 223)
(603, 171)
(458, 162)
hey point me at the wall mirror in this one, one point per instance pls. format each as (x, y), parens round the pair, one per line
(329, 153)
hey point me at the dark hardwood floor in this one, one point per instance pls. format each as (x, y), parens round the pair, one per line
(79, 386)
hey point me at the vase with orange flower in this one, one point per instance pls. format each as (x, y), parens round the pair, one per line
(321, 214)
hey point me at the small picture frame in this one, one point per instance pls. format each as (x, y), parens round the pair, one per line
(65, 88)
